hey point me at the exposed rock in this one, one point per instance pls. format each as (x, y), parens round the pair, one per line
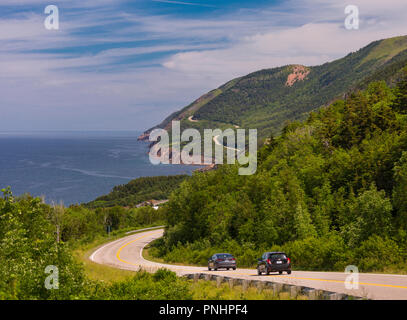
(299, 73)
(144, 137)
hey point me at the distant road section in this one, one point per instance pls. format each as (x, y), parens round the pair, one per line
(215, 139)
(126, 253)
(191, 118)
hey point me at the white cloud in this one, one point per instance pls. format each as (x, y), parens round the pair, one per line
(90, 91)
(310, 44)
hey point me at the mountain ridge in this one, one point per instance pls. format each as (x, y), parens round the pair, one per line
(268, 98)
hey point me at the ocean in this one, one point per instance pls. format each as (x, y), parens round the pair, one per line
(75, 167)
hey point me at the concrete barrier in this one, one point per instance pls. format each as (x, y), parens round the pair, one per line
(232, 283)
(277, 288)
(259, 285)
(245, 285)
(293, 290)
(219, 281)
(328, 295)
(310, 293)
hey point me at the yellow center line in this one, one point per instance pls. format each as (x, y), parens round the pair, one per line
(337, 281)
(125, 245)
(284, 277)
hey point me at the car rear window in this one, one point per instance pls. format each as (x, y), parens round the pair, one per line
(224, 256)
(276, 256)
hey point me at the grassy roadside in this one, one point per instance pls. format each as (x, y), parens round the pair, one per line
(101, 272)
(200, 290)
(207, 290)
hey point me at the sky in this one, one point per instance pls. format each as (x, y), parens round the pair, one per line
(128, 64)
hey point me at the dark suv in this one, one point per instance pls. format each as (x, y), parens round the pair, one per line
(273, 262)
(221, 260)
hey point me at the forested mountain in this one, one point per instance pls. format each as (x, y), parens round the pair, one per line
(330, 191)
(268, 98)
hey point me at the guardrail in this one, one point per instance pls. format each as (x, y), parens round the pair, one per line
(293, 290)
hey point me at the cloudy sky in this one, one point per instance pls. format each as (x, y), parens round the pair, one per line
(127, 64)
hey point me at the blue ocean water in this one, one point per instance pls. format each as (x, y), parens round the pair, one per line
(75, 167)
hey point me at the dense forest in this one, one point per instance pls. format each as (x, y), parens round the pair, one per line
(330, 191)
(34, 235)
(139, 190)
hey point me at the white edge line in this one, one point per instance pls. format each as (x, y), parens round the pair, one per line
(92, 257)
(177, 267)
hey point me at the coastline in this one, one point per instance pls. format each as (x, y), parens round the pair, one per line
(206, 165)
(51, 164)
(201, 162)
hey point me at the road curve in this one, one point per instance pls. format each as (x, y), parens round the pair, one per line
(215, 139)
(126, 253)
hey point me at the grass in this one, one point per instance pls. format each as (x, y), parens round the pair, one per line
(387, 49)
(148, 256)
(207, 290)
(97, 271)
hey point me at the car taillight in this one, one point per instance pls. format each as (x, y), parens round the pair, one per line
(288, 260)
(233, 259)
(268, 261)
(219, 260)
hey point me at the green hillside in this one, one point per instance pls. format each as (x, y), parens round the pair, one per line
(266, 100)
(139, 190)
(330, 191)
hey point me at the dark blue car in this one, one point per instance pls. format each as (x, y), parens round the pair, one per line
(222, 260)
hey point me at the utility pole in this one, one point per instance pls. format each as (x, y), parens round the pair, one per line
(57, 214)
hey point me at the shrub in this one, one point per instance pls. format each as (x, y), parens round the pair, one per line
(326, 253)
(377, 253)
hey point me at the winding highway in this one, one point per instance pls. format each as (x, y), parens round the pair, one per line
(126, 253)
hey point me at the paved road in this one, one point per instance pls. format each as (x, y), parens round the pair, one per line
(215, 139)
(126, 253)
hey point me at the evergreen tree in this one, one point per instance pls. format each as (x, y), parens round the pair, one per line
(400, 191)
(400, 103)
(303, 223)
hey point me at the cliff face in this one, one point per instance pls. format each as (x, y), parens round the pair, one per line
(144, 137)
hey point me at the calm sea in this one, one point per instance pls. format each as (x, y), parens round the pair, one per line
(75, 167)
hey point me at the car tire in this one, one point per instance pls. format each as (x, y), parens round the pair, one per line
(215, 269)
(209, 269)
(289, 272)
(258, 272)
(227, 269)
(234, 268)
(280, 272)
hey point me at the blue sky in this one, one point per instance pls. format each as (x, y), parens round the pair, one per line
(126, 65)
